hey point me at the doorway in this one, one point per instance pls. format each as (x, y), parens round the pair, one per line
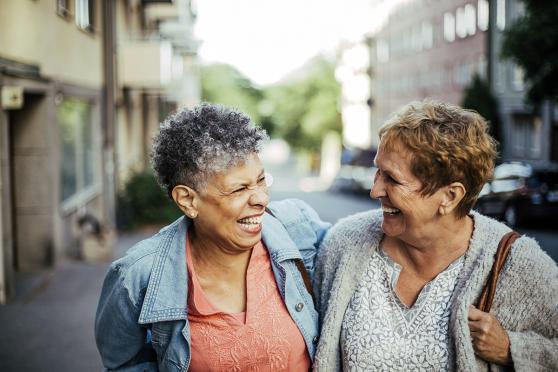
(31, 184)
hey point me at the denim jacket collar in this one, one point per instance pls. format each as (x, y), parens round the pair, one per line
(167, 291)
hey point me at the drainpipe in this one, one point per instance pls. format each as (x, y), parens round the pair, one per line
(109, 114)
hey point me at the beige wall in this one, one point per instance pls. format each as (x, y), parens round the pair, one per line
(128, 19)
(31, 32)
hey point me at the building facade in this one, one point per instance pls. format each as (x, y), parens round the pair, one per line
(55, 149)
(529, 134)
(159, 34)
(84, 85)
(426, 49)
(432, 49)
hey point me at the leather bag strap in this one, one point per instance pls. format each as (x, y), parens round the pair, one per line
(305, 278)
(504, 247)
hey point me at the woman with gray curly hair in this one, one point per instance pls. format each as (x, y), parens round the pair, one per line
(398, 287)
(226, 286)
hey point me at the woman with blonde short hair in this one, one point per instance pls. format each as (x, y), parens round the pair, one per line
(398, 286)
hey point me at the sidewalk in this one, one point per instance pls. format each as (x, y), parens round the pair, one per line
(48, 326)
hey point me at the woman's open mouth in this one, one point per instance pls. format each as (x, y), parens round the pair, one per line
(251, 224)
(390, 211)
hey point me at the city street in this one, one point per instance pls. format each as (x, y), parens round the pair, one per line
(49, 325)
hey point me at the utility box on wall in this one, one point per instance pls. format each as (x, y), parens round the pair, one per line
(12, 98)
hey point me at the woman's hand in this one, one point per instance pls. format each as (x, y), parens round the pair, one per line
(490, 339)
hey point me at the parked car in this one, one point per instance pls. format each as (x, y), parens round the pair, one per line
(356, 173)
(518, 194)
(353, 179)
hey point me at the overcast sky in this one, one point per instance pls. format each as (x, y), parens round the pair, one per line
(267, 39)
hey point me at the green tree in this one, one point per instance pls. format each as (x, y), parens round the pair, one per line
(305, 106)
(478, 97)
(532, 43)
(222, 83)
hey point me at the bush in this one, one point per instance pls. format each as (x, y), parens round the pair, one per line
(143, 202)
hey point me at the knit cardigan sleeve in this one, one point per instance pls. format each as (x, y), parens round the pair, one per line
(533, 341)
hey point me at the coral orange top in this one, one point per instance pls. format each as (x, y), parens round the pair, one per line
(264, 338)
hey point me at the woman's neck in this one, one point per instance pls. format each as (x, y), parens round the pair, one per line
(212, 261)
(429, 255)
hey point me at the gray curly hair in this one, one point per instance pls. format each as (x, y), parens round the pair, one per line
(194, 144)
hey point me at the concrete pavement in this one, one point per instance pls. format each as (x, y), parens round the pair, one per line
(48, 326)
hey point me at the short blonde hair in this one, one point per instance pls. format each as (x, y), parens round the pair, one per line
(448, 144)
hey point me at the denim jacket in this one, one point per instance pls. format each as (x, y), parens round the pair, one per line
(142, 319)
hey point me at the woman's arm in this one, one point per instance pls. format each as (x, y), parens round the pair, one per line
(121, 341)
(528, 298)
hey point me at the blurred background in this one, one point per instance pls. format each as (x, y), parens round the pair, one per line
(85, 84)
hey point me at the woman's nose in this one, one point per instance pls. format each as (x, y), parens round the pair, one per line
(260, 196)
(377, 189)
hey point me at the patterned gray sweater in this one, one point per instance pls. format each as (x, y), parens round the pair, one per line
(526, 300)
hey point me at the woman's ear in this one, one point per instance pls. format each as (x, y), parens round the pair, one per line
(452, 195)
(185, 198)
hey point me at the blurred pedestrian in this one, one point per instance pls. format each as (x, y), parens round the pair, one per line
(398, 286)
(226, 286)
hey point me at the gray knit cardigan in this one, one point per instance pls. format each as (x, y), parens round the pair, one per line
(526, 300)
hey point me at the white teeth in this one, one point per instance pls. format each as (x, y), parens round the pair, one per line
(390, 210)
(251, 220)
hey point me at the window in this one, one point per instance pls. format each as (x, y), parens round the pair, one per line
(500, 77)
(63, 8)
(470, 20)
(449, 27)
(518, 75)
(482, 15)
(76, 146)
(84, 14)
(460, 23)
(427, 35)
(501, 14)
(519, 10)
(416, 38)
(527, 136)
(382, 51)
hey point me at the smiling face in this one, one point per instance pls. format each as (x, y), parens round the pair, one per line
(408, 215)
(231, 206)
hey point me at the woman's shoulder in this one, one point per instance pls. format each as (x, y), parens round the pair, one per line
(353, 232)
(359, 224)
(135, 267)
(526, 256)
(292, 210)
(529, 258)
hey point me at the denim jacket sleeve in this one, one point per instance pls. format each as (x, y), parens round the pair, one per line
(121, 341)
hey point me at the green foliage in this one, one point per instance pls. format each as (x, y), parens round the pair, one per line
(532, 43)
(478, 97)
(306, 107)
(143, 202)
(224, 84)
(300, 110)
